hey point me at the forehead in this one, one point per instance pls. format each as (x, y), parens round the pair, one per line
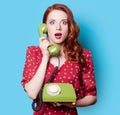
(57, 14)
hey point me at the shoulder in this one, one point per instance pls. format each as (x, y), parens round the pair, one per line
(34, 51)
(86, 53)
(33, 48)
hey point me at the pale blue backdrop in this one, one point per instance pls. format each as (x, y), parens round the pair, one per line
(100, 29)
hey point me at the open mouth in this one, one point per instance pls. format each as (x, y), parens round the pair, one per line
(58, 35)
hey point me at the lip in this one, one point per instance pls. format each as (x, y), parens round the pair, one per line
(58, 35)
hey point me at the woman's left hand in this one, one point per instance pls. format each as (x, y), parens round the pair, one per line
(68, 104)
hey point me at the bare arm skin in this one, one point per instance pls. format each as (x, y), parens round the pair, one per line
(34, 85)
(86, 101)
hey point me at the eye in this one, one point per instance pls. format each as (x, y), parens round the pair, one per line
(64, 22)
(52, 22)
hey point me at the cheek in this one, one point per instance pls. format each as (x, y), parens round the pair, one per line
(50, 32)
(65, 32)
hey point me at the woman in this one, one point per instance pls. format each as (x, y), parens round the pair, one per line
(76, 66)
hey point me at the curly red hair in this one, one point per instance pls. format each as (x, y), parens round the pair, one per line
(72, 48)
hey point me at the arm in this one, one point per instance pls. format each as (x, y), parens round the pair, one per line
(34, 85)
(88, 82)
(86, 101)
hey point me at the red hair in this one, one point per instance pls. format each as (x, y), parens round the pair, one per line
(72, 48)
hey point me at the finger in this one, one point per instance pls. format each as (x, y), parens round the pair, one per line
(73, 103)
(54, 104)
(42, 39)
(58, 104)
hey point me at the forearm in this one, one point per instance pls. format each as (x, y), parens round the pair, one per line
(34, 85)
(86, 101)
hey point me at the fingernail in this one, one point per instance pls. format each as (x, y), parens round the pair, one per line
(73, 103)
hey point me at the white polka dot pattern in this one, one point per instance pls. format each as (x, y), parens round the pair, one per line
(70, 72)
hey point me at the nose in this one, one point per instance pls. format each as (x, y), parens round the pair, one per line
(58, 26)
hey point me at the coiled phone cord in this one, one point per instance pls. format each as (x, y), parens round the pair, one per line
(39, 97)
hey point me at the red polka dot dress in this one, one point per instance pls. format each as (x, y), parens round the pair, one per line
(82, 78)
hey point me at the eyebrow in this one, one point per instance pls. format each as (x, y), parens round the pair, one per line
(55, 19)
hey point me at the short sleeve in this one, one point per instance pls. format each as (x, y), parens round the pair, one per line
(33, 58)
(88, 78)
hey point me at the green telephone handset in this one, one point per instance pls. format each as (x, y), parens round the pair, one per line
(53, 49)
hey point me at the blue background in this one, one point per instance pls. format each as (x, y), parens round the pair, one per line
(99, 22)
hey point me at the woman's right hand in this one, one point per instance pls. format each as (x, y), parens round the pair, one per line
(44, 44)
